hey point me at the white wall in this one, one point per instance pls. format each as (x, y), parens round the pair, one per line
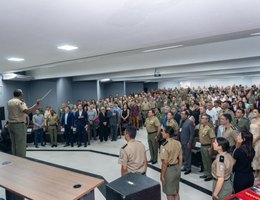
(213, 82)
(168, 84)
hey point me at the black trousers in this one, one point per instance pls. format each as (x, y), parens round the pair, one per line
(68, 132)
(243, 181)
(81, 134)
(103, 133)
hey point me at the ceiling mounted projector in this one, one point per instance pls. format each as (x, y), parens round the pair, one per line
(156, 73)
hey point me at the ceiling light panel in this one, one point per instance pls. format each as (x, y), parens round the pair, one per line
(15, 59)
(162, 48)
(67, 47)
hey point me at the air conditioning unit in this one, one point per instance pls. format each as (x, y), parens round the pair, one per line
(156, 73)
(16, 77)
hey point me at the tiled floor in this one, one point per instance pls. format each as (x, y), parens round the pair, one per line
(107, 165)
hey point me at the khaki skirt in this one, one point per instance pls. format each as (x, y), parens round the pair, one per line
(172, 180)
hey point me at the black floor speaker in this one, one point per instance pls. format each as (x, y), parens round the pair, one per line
(133, 186)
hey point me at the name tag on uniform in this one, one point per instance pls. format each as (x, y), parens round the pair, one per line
(198, 144)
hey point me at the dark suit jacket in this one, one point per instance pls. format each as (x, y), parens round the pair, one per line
(187, 131)
(81, 121)
(177, 118)
(102, 118)
(70, 119)
(196, 114)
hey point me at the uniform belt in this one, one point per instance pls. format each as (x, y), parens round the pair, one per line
(16, 122)
(152, 132)
(144, 173)
(170, 165)
(224, 180)
(53, 125)
(205, 144)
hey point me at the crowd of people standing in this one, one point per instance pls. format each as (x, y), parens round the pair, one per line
(224, 120)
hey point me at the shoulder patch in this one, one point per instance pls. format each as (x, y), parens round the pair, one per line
(124, 146)
(165, 143)
(221, 159)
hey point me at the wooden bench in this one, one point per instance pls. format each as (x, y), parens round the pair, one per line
(38, 181)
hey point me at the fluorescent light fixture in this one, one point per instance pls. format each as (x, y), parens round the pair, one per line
(255, 34)
(67, 47)
(9, 76)
(105, 80)
(15, 59)
(162, 48)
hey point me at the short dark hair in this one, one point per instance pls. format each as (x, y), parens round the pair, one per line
(18, 93)
(223, 142)
(196, 103)
(242, 110)
(186, 112)
(169, 130)
(228, 117)
(208, 116)
(153, 111)
(131, 131)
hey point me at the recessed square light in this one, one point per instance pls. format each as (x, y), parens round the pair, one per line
(16, 59)
(67, 47)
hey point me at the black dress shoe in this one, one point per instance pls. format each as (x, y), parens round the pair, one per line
(72, 145)
(204, 176)
(183, 170)
(79, 145)
(201, 170)
(150, 161)
(208, 179)
(52, 146)
(43, 145)
(187, 172)
(154, 162)
(36, 146)
(65, 145)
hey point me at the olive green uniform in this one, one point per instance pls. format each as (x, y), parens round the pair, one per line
(52, 121)
(159, 102)
(170, 150)
(152, 125)
(17, 127)
(206, 134)
(222, 167)
(242, 125)
(133, 155)
(159, 116)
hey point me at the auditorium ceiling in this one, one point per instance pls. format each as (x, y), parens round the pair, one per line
(133, 40)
